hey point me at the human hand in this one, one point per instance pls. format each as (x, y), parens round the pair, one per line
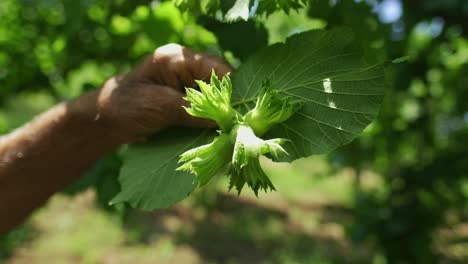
(56, 148)
(150, 97)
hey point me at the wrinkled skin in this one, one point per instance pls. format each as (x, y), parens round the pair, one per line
(54, 149)
(149, 98)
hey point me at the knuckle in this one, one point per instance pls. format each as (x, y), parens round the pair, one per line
(168, 52)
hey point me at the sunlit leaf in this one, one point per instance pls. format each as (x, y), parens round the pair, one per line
(322, 69)
(149, 178)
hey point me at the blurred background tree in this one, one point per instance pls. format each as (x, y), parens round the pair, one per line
(399, 193)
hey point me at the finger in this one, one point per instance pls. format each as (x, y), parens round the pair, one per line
(178, 67)
(190, 121)
(171, 78)
(177, 114)
(203, 64)
(159, 66)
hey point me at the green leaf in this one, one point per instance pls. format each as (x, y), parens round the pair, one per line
(149, 178)
(401, 59)
(271, 6)
(341, 92)
(200, 6)
(162, 25)
(228, 36)
(240, 10)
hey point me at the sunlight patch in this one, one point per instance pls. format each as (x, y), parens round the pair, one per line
(327, 85)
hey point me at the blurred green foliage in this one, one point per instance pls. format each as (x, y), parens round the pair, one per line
(66, 47)
(416, 142)
(52, 50)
